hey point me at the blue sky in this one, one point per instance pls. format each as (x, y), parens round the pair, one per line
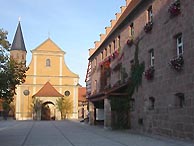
(73, 25)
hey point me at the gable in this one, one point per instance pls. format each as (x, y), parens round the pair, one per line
(48, 45)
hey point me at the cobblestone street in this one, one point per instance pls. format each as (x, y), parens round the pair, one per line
(73, 133)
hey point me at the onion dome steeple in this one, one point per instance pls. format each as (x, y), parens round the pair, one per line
(18, 41)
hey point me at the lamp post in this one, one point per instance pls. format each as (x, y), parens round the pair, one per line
(27, 93)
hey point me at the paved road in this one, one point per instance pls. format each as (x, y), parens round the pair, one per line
(71, 133)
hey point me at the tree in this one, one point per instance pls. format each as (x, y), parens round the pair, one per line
(36, 107)
(65, 106)
(12, 73)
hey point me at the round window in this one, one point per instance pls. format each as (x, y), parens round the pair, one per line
(67, 93)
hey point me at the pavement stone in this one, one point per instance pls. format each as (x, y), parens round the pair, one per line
(74, 133)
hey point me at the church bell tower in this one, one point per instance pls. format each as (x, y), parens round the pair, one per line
(18, 49)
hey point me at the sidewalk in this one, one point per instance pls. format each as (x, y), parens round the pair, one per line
(129, 137)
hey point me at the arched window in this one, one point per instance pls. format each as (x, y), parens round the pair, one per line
(48, 62)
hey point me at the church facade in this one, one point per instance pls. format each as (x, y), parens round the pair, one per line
(47, 80)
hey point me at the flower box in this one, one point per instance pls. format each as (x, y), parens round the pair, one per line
(177, 63)
(174, 8)
(148, 27)
(149, 73)
(130, 41)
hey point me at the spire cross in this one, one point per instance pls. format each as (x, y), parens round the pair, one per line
(19, 19)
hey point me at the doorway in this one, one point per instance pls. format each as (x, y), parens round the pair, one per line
(48, 111)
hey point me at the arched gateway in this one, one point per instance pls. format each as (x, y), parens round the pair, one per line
(47, 97)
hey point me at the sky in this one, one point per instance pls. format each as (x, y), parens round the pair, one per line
(74, 25)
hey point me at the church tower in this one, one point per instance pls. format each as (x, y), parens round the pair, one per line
(18, 49)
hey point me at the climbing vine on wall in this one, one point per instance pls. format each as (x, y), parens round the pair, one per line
(137, 70)
(135, 81)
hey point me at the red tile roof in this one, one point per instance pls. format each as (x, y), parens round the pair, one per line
(48, 91)
(82, 94)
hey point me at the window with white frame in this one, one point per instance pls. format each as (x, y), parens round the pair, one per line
(152, 57)
(150, 14)
(179, 43)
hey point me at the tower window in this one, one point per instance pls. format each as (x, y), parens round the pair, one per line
(22, 56)
(48, 63)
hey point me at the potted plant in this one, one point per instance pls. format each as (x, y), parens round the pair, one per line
(148, 27)
(149, 73)
(174, 8)
(177, 63)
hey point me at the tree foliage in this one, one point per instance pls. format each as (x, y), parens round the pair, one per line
(12, 73)
(65, 106)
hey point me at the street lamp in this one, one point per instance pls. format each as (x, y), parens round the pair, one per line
(27, 93)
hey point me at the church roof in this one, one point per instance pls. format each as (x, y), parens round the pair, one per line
(48, 91)
(18, 41)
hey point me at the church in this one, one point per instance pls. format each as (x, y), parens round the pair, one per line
(47, 80)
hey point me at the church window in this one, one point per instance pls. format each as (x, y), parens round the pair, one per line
(48, 63)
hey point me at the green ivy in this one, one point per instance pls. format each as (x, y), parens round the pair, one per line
(135, 81)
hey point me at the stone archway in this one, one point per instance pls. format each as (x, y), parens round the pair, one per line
(48, 111)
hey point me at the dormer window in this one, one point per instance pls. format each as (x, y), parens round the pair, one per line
(48, 63)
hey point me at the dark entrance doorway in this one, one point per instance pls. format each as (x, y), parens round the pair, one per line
(46, 111)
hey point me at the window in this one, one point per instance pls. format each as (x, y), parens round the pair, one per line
(95, 85)
(22, 56)
(48, 63)
(105, 50)
(132, 104)
(180, 100)
(119, 41)
(179, 42)
(110, 51)
(150, 14)
(151, 57)
(114, 46)
(132, 32)
(102, 57)
(95, 62)
(151, 103)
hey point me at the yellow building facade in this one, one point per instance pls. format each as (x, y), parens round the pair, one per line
(47, 68)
